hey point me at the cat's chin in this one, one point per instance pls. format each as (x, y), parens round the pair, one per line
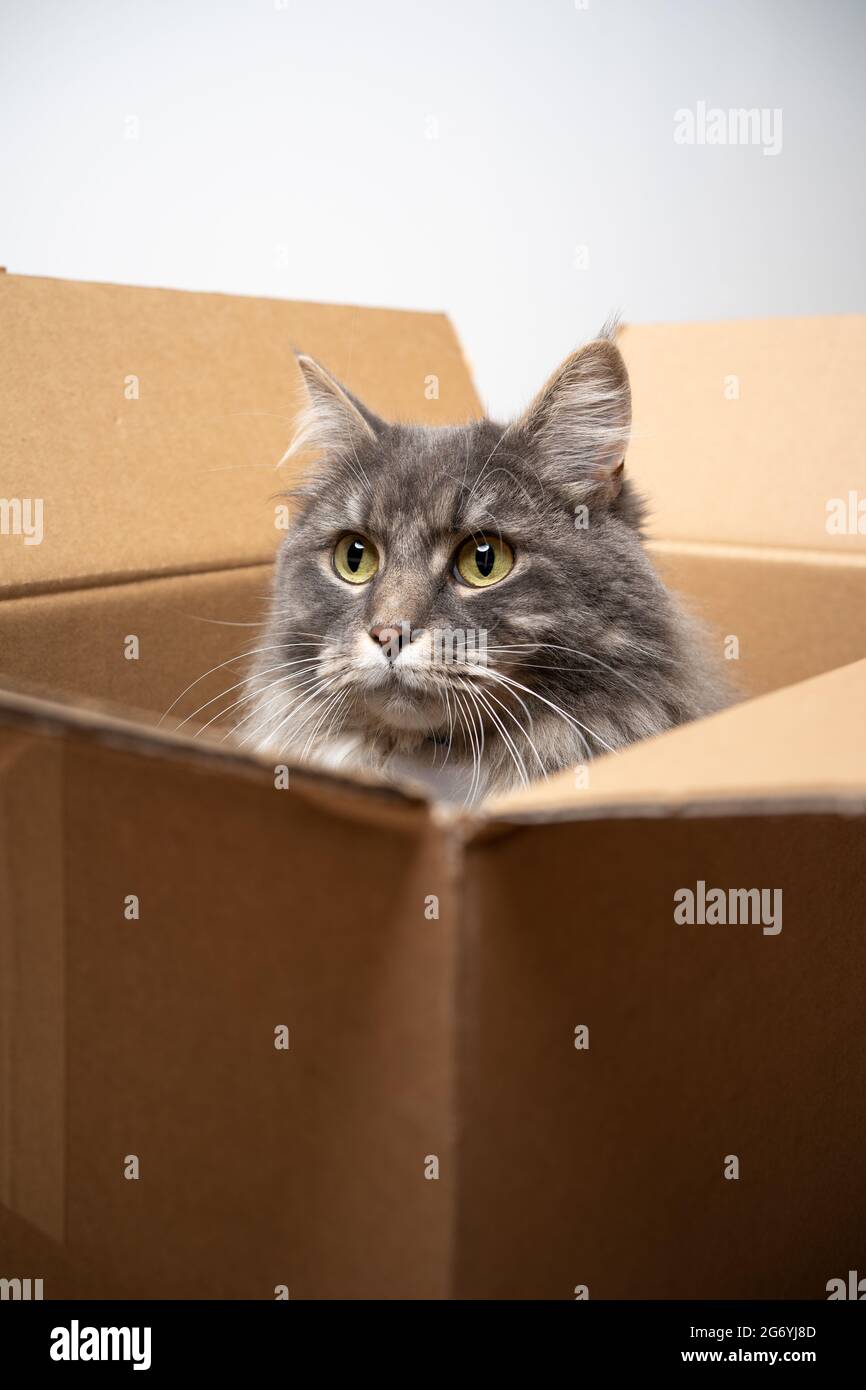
(401, 713)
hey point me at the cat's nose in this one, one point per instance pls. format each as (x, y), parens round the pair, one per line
(392, 637)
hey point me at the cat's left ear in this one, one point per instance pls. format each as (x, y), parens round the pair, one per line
(578, 424)
(334, 420)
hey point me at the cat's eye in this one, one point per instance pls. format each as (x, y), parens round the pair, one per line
(355, 559)
(483, 560)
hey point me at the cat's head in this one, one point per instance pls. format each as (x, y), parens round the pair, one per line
(480, 588)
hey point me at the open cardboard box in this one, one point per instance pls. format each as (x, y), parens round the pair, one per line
(149, 423)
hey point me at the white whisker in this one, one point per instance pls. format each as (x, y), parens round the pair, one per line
(557, 709)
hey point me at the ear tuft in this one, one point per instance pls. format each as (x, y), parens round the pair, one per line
(580, 420)
(332, 421)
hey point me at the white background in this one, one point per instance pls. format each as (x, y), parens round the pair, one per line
(284, 148)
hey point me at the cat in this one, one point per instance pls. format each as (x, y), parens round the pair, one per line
(472, 606)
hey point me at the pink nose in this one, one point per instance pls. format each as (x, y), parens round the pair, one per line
(392, 636)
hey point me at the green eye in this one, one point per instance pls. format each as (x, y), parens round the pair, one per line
(356, 559)
(483, 560)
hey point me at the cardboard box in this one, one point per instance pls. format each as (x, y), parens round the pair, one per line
(149, 423)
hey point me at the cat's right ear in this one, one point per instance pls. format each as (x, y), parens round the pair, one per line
(578, 424)
(333, 421)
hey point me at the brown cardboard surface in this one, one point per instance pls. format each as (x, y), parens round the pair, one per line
(183, 477)
(413, 1037)
(74, 642)
(758, 469)
(604, 1166)
(29, 1254)
(32, 983)
(793, 613)
(258, 1167)
(804, 741)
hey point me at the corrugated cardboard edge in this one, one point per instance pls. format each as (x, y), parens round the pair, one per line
(352, 795)
(663, 546)
(821, 801)
(349, 796)
(182, 291)
(10, 592)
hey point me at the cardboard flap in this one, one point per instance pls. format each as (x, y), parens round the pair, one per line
(149, 423)
(599, 1160)
(802, 742)
(363, 797)
(746, 431)
(238, 985)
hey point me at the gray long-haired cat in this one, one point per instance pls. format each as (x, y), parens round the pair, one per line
(472, 606)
